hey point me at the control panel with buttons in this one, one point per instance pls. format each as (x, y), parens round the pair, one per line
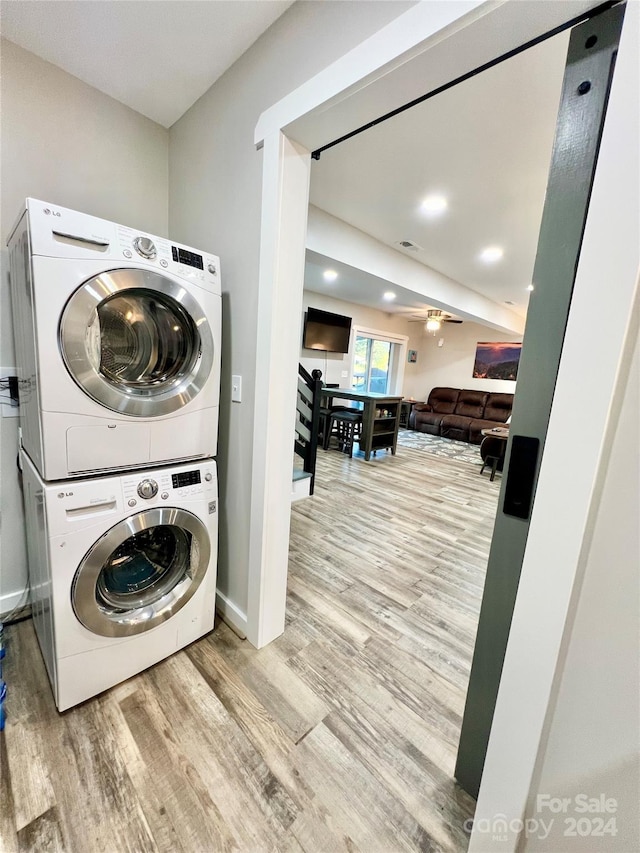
(87, 236)
(157, 252)
(105, 500)
(167, 485)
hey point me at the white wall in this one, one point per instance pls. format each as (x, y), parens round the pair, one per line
(215, 180)
(67, 143)
(451, 365)
(592, 743)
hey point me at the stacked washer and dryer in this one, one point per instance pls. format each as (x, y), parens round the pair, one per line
(118, 357)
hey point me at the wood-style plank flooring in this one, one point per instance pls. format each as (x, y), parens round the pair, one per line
(339, 736)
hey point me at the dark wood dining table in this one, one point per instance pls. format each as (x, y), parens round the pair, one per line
(380, 417)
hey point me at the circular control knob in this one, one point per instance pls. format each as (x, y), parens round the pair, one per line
(164, 495)
(208, 477)
(132, 502)
(145, 247)
(212, 269)
(148, 489)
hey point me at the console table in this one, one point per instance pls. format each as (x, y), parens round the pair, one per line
(502, 434)
(380, 417)
(405, 410)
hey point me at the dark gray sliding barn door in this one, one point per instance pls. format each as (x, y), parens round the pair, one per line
(590, 61)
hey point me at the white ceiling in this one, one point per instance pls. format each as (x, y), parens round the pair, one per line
(156, 57)
(355, 285)
(485, 145)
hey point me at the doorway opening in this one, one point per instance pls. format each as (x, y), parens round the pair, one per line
(480, 216)
(297, 125)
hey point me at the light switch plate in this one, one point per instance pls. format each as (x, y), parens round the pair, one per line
(236, 389)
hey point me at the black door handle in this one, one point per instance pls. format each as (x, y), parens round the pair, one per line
(521, 476)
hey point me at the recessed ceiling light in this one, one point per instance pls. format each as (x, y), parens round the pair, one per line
(491, 254)
(330, 275)
(434, 205)
(389, 295)
(529, 287)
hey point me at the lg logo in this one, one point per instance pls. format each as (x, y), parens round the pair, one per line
(51, 212)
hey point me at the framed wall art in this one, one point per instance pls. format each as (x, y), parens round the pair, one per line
(497, 360)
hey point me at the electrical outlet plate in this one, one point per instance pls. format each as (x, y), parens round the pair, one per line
(7, 409)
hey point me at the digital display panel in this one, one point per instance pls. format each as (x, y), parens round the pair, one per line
(185, 478)
(181, 256)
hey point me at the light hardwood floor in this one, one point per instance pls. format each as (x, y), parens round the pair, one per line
(339, 736)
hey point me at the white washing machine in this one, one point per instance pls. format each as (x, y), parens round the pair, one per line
(117, 344)
(123, 571)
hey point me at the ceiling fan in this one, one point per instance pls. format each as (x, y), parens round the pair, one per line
(434, 319)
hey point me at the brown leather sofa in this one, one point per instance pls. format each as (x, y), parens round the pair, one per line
(461, 413)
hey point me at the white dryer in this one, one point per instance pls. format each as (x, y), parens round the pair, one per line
(122, 569)
(117, 344)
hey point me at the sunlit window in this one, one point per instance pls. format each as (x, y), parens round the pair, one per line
(372, 365)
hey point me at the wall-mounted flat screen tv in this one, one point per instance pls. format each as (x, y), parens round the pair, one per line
(326, 331)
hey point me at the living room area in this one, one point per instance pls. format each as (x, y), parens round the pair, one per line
(420, 240)
(448, 397)
(387, 566)
(387, 559)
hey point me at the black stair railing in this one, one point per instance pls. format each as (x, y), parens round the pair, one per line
(308, 420)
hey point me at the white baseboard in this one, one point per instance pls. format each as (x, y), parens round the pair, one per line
(11, 600)
(232, 615)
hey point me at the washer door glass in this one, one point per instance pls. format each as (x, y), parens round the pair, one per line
(136, 342)
(144, 568)
(141, 572)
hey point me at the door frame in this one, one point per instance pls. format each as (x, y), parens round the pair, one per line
(431, 45)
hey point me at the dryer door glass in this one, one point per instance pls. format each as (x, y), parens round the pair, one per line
(140, 340)
(141, 572)
(136, 342)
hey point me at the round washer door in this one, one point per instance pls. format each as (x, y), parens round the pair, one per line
(141, 572)
(137, 342)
